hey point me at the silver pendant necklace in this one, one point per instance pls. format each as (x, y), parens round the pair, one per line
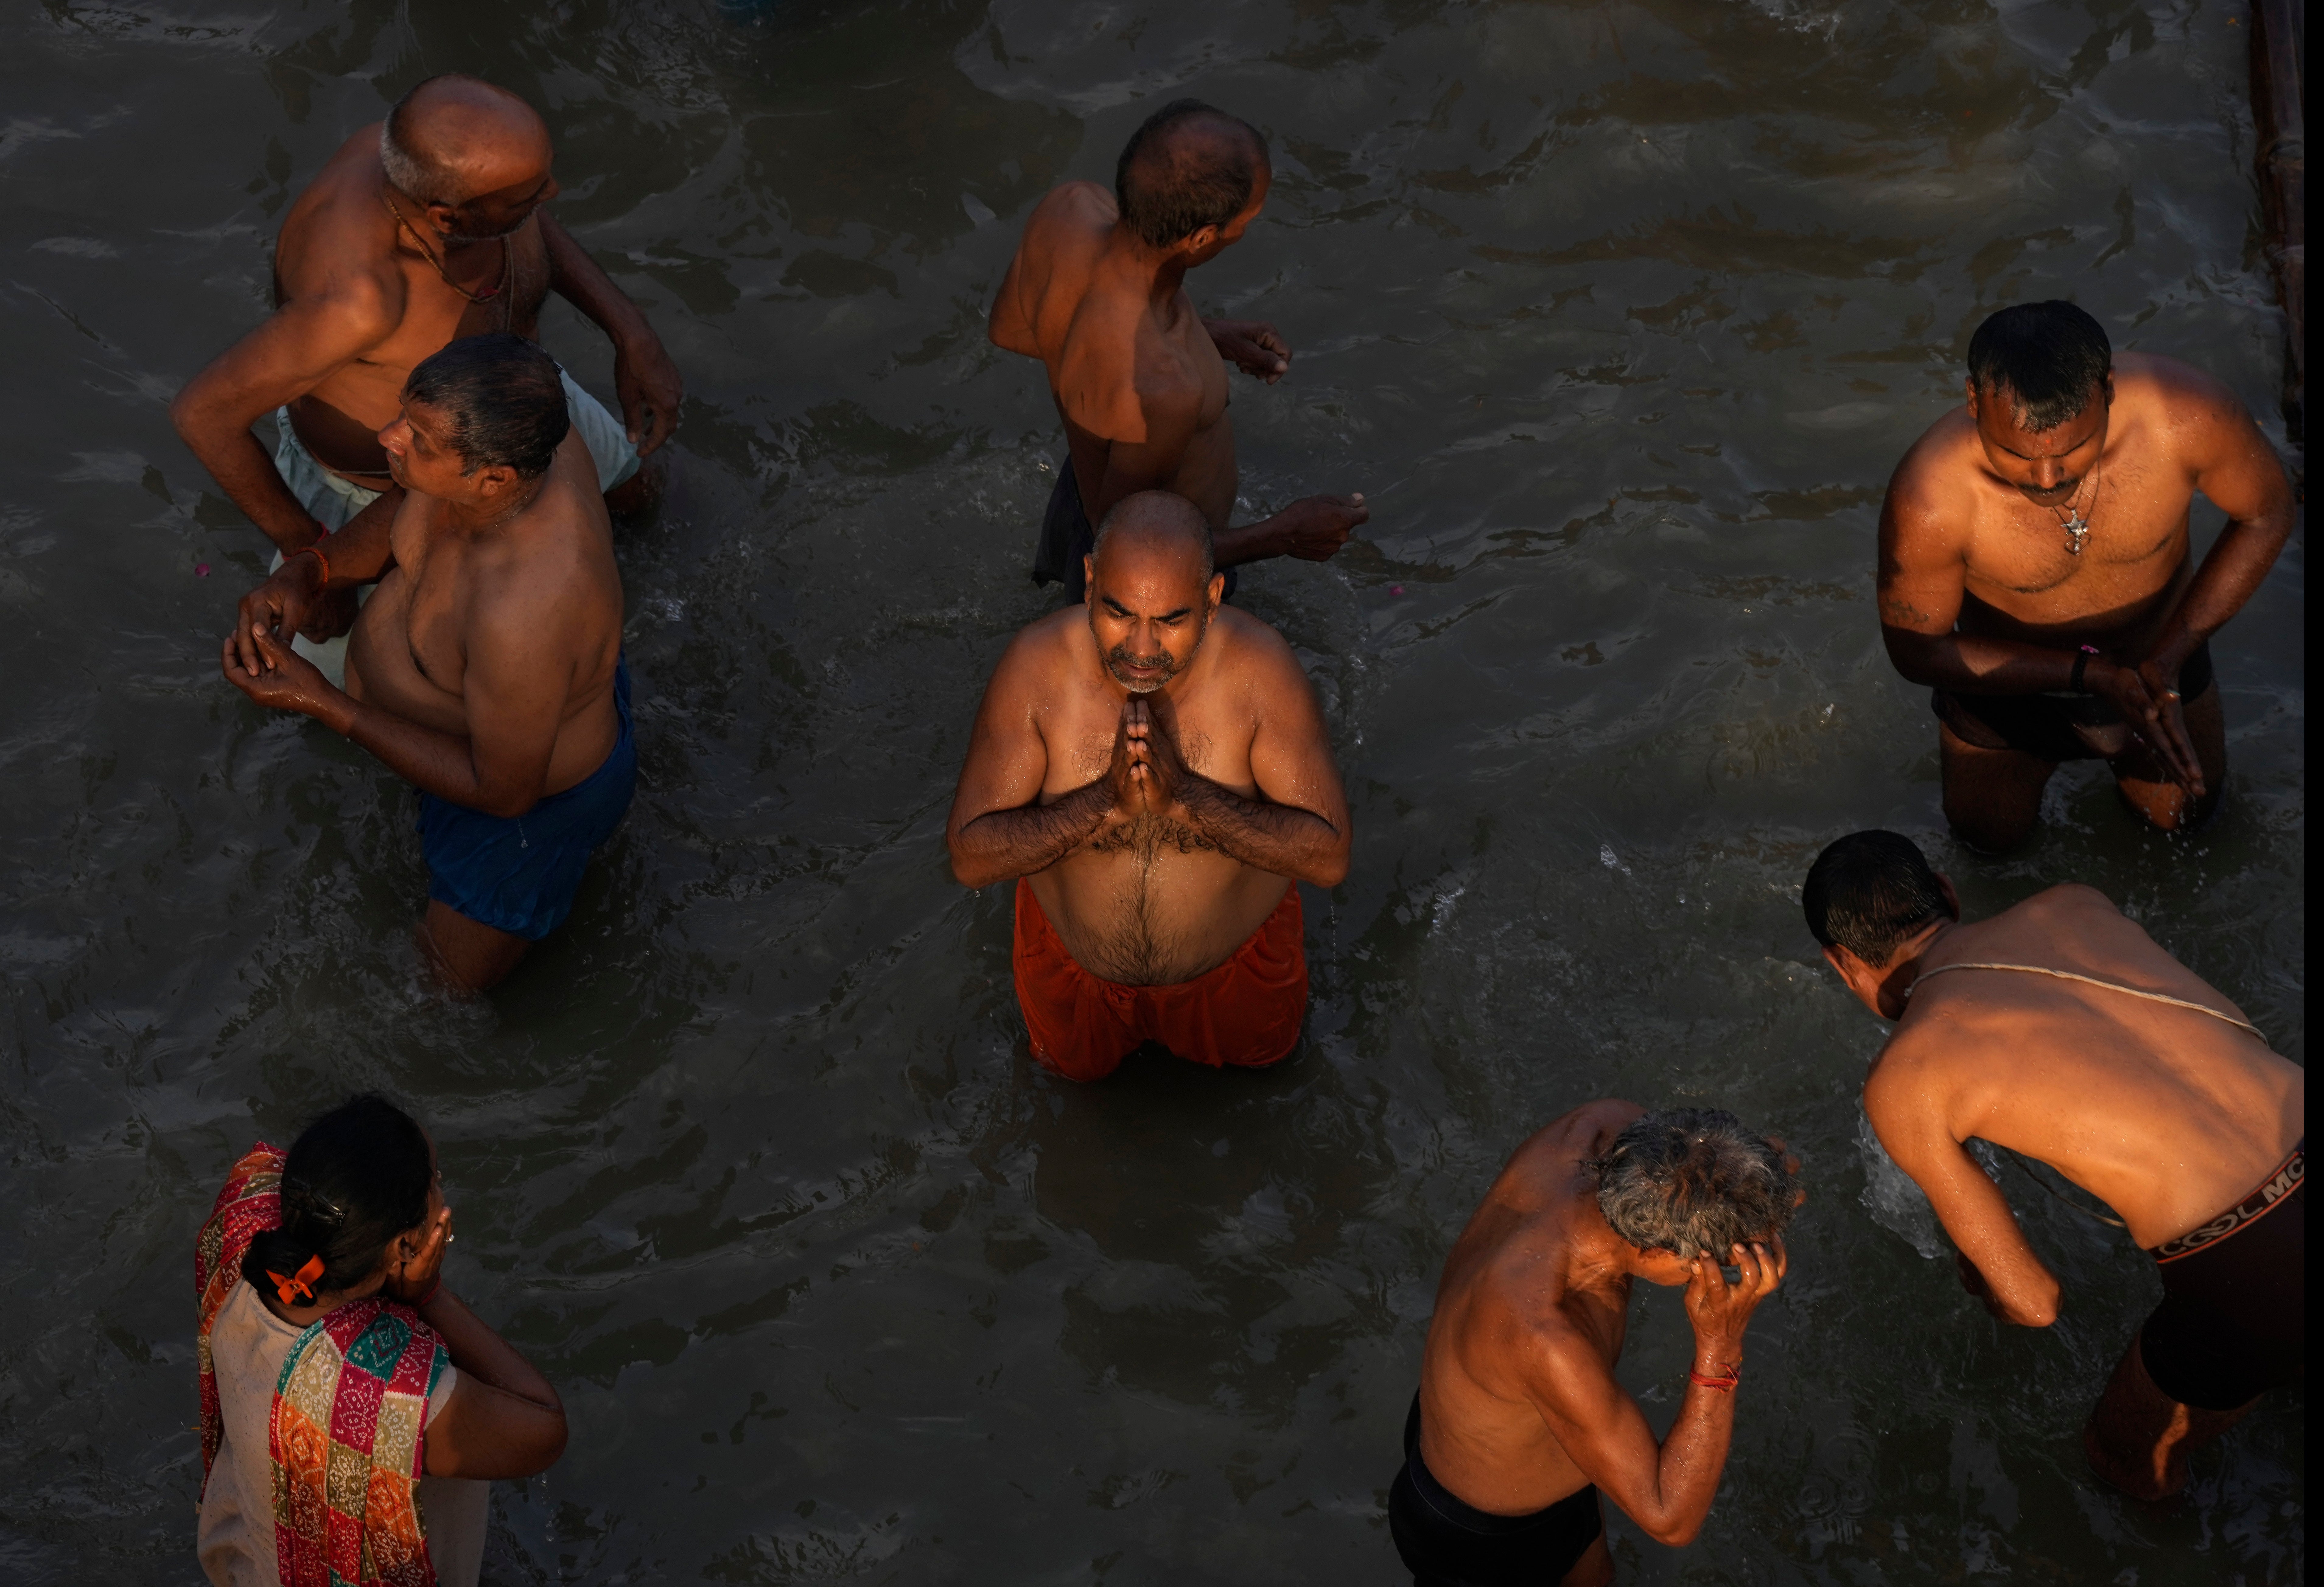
(2076, 527)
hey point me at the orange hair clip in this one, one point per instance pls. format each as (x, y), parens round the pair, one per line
(300, 1283)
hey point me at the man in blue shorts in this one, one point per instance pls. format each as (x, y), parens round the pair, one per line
(488, 666)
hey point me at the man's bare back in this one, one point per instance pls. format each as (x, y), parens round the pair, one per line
(2165, 1114)
(1138, 375)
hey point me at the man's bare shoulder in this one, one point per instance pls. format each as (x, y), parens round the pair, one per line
(2068, 900)
(1934, 480)
(1045, 656)
(1548, 1157)
(1077, 212)
(2183, 403)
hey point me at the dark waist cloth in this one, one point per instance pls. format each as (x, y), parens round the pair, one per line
(1445, 1542)
(2235, 1298)
(2055, 727)
(520, 873)
(1067, 536)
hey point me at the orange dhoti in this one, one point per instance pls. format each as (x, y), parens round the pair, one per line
(1245, 1011)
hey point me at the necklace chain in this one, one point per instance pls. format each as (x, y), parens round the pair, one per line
(508, 261)
(2076, 527)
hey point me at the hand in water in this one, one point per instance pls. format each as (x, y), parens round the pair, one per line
(280, 678)
(1251, 346)
(290, 602)
(2147, 698)
(646, 382)
(1721, 1311)
(418, 1278)
(1313, 527)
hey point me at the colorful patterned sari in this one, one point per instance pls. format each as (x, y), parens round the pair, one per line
(345, 1434)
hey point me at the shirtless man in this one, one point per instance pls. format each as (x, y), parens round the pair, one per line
(1153, 769)
(1520, 1421)
(488, 671)
(1096, 294)
(2067, 1035)
(2035, 570)
(422, 229)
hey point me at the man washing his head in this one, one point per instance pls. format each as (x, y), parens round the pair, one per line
(422, 229)
(1153, 769)
(2036, 570)
(488, 670)
(1520, 1424)
(2059, 1030)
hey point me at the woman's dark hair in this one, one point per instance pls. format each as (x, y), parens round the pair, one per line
(1869, 891)
(1187, 167)
(505, 399)
(1693, 1181)
(2049, 357)
(357, 1177)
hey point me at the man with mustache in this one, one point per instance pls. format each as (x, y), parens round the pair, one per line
(1096, 293)
(2036, 570)
(1154, 769)
(422, 229)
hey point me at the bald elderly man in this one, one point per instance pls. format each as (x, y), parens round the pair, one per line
(1096, 294)
(1153, 769)
(423, 228)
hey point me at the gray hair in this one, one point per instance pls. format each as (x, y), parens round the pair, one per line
(1693, 1181)
(422, 179)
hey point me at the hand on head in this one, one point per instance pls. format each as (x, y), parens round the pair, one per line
(1719, 1310)
(414, 1274)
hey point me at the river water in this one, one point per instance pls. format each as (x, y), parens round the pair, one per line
(1620, 313)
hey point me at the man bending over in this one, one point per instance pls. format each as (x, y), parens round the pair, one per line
(424, 227)
(488, 670)
(1519, 1422)
(2036, 570)
(2061, 1031)
(1153, 769)
(1096, 294)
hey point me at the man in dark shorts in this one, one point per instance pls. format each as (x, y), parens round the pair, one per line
(488, 669)
(2067, 1035)
(1519, 1422)
(1139, 378)
(2036, 570)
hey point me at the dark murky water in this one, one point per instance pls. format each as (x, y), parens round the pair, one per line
(1620, 313)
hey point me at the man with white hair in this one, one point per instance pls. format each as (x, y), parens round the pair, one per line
(422, 229)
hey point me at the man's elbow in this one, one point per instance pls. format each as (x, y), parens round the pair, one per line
(187, 410)
(2035, 1310)
(1908, 653)
(1674, 1534)
(970, 869)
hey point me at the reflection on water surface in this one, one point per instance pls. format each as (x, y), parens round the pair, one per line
(1620, 315)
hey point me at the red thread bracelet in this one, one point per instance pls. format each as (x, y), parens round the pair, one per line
(422, 1301)
(1725, 1382)
(316, 551)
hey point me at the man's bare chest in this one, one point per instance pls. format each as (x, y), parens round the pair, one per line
(2112, 546)
(436, 608)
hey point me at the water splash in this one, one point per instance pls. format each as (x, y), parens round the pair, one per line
(1895, 1202)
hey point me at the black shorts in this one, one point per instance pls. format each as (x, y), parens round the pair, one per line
(2053, 727)
(2235, 1298)
(1445, 1542)
(1067, 537)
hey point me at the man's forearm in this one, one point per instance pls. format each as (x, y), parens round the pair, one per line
(1693, 1458)
(1971, 664)
(1004, 843)
(1245, 542)
(437, 763)
(582, 281)
(247, 473)
(2229, 576)
(1281, 838)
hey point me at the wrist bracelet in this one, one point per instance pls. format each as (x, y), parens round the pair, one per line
(1724, 1382)
(316, 551)
(422, 1301)
(2081, 663)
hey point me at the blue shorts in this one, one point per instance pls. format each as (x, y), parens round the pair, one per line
(518, 873)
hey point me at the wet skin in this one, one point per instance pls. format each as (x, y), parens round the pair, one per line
(1156, 764)
(1979, 593)
(483, 669)
(358, 303)
(1139, 377)
(1519, 1403)
(2166, 1115)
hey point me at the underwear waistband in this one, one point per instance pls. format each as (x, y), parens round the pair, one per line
(2285, 1181)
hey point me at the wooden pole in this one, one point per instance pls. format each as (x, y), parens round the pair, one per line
(2278, 34)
